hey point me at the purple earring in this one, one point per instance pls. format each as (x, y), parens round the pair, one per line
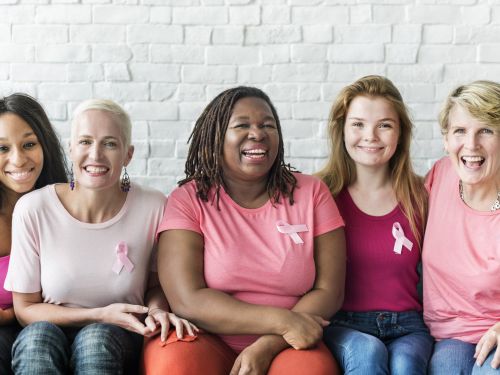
(125, 182)
(71, 179)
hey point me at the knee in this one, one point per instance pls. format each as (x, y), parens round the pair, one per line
(40, 337)
(407, 364)
(98, 338)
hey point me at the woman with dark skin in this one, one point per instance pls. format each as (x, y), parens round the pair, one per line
(30, 158)
(249, 251)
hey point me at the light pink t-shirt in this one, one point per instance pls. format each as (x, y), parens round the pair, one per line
(5, 295)
(245, 255)
(70, 261)
(461, 262)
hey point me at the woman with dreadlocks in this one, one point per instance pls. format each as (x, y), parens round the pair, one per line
(250, 251)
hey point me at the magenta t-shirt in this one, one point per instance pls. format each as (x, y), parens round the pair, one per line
(245, 254)
(5, 295)
(377, 278)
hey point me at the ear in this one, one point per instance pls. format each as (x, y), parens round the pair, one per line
(130, 153)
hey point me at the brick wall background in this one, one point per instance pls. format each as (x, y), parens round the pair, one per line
(165, 59)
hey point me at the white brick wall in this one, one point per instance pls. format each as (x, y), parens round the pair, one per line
(165, 59)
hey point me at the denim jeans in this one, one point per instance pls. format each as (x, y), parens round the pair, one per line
(7, 336)
(45, 348)
(378, 343)
(457, 357)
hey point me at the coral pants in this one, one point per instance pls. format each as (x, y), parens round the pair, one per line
(211, 356)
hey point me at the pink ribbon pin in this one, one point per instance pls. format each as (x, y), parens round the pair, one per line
(401, 240)
(291, 230)
(122, 259)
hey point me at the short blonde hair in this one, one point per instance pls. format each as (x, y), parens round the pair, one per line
(480, 98)
(106, 105)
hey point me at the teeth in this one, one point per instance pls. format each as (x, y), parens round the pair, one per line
(95, 169)
(472, 159)
(255, 152)
(19, 174)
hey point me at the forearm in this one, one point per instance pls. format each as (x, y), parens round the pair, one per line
(322, 302)
(221, 313)
(60, 315)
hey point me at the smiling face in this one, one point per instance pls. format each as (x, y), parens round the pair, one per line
(371, 131)
(473, 147)
(21, 155)
(98, 150)
(251, 141)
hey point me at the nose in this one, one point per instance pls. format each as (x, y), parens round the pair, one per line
(471, 141)
(256, 133)
(18, 156)
(369, 133)
(95, 151)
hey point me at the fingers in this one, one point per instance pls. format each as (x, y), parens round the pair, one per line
(485, 346)
(495, 363)
(236, 366)
(322, 322)
(134, 325)
(134, 309)
(150, 323)
(164, 323)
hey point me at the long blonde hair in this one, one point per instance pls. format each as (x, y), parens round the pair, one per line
(340, 170)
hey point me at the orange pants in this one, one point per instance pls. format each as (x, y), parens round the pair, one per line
(211, 356)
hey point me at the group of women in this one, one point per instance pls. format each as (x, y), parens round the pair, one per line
(261, 265)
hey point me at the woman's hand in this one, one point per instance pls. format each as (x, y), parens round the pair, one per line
(254, 359)
(159, 320)
(124, 315)
(303, 330)
(486, 344)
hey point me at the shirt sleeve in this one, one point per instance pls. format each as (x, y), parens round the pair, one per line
(327, 215)
(23, 275)
(182, 210)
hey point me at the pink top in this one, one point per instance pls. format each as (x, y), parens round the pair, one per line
(378, 279)
(71, 262)
(5, 295)
(245, 255)
(461, 262)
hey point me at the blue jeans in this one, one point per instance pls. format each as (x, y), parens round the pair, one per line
(457, 357)
(377, 343)
(45, 348)
(7, 336)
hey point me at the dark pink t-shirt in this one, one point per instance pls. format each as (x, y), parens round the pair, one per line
(378, 279)
(5, 295)
(245, 255)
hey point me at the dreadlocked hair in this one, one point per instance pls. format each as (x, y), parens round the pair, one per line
(204, 160)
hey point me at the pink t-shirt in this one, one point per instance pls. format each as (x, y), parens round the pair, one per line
(5, 295)
(71, 262)
(378, 279)
(245, 255)
(461, 262)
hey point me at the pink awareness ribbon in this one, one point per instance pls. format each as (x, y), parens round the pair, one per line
(291, 230)
(401, 240)
(122, 260)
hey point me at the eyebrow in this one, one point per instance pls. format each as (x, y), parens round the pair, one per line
(248, 118)
(89, 136)
(362, 119)
(25, 135)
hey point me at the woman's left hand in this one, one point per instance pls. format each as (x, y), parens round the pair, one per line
(159, 320)
(487, 343)
(253, 360)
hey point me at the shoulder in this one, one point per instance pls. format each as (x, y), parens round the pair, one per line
(184, 192)
(310, 184)
(36, 200)
(149, 195)
(442, 169)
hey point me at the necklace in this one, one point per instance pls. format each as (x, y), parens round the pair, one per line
(494, 207)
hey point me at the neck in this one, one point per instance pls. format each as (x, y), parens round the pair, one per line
(480, 197)
(372, 179)
(9, 200)
(94, 206)
(247, 194)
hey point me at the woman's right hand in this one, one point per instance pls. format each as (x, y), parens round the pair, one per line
(303, 330)
(125, 316)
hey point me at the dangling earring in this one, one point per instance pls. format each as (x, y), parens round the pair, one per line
(71, 179)
(125, 182)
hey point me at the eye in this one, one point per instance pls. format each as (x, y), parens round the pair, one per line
(357, 124)
(110, 144)
(29, 145)
(385, 125)
(241, 126)
(3, 148)
(486, 131)
(459, 131)
(269, 126)
(84, 142)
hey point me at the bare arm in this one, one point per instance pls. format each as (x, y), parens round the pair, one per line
(29, 308)
(7, 316)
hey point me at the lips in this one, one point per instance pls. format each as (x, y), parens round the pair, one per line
(257, 153)
(21, 175)
(472, 161)
(370, 148)
(95, 170)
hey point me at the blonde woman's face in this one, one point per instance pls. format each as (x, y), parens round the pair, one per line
(473, 147)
